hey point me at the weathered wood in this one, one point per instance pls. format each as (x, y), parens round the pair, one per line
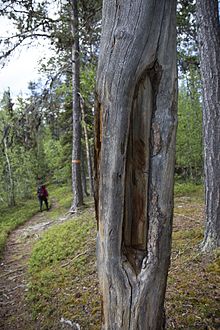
(134, 161)
(209, 45)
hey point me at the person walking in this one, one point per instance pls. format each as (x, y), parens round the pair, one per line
(42, 194)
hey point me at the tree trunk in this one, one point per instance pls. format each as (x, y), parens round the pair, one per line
(83, 176)
(209, 44)
(88, 153)
(11, 195)
(134, 161)
(76, 149)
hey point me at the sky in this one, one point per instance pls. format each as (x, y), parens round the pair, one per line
(22, 66)
(21, 69)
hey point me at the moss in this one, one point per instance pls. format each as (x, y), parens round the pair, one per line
(214, 267)
(62, 267)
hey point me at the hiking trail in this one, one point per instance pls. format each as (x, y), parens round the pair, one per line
(14, 313)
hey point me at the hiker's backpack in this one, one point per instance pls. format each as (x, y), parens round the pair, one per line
(40, 191)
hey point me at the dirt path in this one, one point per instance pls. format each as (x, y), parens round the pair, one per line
(193, 289)
(13, 268)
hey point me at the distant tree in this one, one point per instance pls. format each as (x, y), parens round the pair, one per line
(87, 109)
(209, 45)
(6, 145)
(88, 150)
(76, 150)
(135, 144)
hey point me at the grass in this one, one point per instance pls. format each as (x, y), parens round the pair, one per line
(62, 275)
(63, 279)
(188, 189)
(14, 217)
(62, 269)
(192, 297)
(60, 199)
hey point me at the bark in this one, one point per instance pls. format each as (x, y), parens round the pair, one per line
(134, 160)
(76, 149)
(88, 153)
(209, 44)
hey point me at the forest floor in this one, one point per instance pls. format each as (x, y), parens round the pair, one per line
(48, 276)
(14, 311)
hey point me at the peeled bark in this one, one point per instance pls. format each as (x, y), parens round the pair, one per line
(209, 44)
(134, 160)
(76, 149)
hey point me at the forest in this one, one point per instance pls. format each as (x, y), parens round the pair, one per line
(123, 131)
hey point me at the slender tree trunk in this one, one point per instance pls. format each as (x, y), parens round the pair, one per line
(134, 161)
(76, 149)
(11, 197)
(83, 176)
(88, 153)
(189, 131)
(209, 44)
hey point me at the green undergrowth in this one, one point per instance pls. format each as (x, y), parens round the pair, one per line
(12, 217)
(15, 216)
(192, 297)
(62, 269)
(62, 275)
(59, 200)
(188, 189)
(192, 300)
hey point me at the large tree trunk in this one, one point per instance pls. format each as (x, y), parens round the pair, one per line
(76, 150)
(135, 146)
(209, 44)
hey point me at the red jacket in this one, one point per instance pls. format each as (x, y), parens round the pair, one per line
(44, 191)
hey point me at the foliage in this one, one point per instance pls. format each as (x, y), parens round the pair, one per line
(189, 155)
(22, 152)
(187, 49)
(54, 154)
(189, 147)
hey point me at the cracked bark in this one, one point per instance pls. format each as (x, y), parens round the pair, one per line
(134, 160)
